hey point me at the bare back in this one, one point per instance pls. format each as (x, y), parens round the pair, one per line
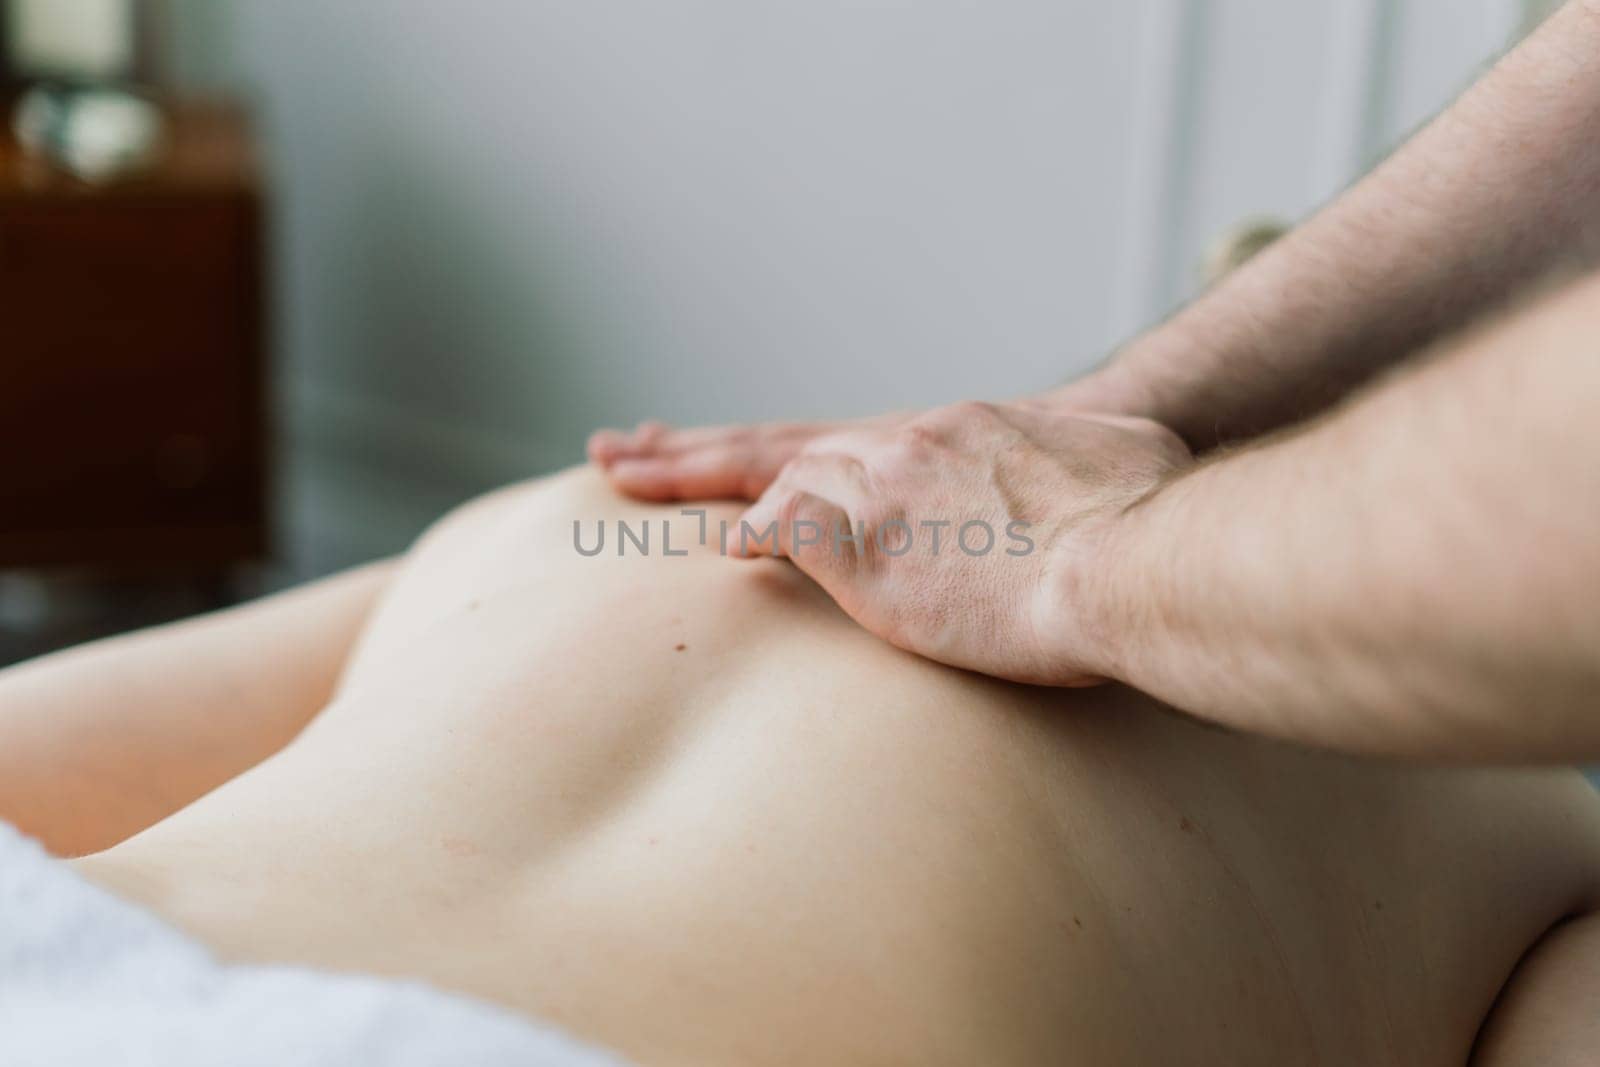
(683, 807)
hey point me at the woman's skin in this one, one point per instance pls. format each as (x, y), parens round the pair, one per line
(100, 741)
(684, 807)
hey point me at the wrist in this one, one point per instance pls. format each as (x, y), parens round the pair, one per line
(1110, 389)
(1103, 591)
(1152, 376)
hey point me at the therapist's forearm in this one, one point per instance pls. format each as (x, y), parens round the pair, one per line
(1418, 573)
(1500, 188)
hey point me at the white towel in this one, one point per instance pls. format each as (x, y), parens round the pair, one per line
(88, 980)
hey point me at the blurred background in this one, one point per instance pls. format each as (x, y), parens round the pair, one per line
(282, 280)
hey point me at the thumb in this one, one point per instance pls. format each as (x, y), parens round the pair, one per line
(816, 535)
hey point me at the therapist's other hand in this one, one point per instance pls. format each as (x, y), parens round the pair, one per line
(1050, 488)
(658, 462)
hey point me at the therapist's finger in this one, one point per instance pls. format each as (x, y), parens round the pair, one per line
(605, 446)
(815, 536)
(658, 440)
(759, 530)
(837, 477)
(789, 522)
(714, 472)
(608, 445)
(750, 533)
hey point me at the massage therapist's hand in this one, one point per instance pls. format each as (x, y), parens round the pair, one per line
(738, 462)
(658, 462)
(979, 526)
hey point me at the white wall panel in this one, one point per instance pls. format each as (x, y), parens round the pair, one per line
(1440, 47)
(511, 222)
(502, 223)
(1255, 105)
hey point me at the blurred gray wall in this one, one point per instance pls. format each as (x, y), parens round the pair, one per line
(500, 224)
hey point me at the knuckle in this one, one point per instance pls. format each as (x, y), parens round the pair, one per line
(968, 410)
(944, 422)
(828, 467)
(918, 436)
(792, 507)
(853, 468)
(1165, 440)
(810, 464)
(812, 447)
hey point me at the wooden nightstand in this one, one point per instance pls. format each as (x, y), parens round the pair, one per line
(133, 424)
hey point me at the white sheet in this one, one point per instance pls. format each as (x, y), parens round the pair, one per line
(87, 980)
